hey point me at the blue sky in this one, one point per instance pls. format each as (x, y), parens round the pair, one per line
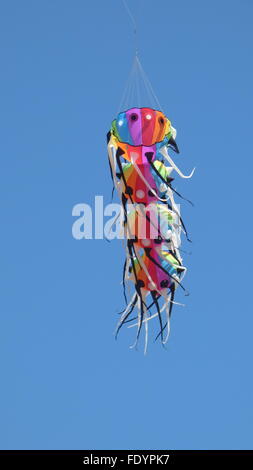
(65, 382)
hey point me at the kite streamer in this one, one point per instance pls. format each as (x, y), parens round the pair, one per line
(139, 142)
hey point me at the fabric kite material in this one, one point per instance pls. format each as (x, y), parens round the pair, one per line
(138, 149)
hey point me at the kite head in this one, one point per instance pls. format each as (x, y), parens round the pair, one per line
(143, 126)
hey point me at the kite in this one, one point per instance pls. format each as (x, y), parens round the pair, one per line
(139, 142)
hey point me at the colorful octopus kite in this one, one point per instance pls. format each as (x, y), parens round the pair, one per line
(138, 144)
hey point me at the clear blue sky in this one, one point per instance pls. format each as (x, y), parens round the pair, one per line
(65, 382)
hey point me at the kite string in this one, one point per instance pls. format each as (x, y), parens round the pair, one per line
(134, 25)
(138, 79)
(147, 83)
(136, 85)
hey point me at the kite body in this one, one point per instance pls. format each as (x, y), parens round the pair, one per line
(141, 168)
